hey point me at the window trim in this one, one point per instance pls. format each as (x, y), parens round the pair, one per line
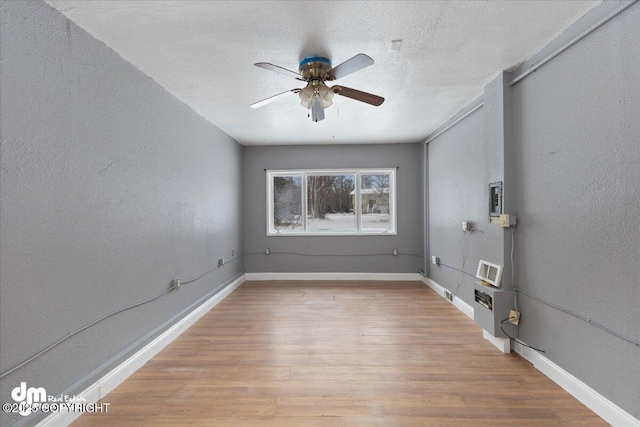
(391, 231)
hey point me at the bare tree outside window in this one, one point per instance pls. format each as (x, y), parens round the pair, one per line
(287, 202)
(329, 204)
(374, 201)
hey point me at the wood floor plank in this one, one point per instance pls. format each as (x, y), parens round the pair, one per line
(337, 354)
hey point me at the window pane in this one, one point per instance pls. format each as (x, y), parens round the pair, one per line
(287, 202)
(374, 202)
(330, 203)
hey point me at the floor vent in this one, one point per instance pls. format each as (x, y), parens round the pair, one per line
(448, 295)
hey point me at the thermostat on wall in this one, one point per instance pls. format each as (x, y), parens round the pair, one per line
(489, 273)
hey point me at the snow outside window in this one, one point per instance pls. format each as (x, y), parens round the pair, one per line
(331, 202)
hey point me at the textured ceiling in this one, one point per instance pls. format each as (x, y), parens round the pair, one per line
(203, 53)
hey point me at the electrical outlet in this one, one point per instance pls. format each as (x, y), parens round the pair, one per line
(220, 262)
(175, 284)
(395, 252)
(467, 226)
(435, 260)
(514, 317)
(507, 220)
(267, 251)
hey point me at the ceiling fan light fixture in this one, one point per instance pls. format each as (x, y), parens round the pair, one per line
(306, 97)
(326, 95)
(324, 103)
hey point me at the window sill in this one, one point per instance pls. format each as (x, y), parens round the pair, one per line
(332, 234)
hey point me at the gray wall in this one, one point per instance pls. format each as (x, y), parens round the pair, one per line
(576, 162)
(457, 192)
(110, 188)
(577, 123)
(409, 239)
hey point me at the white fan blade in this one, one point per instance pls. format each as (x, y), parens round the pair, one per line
(349, 66)
(270, 99)
(279, 70)
(317, 112)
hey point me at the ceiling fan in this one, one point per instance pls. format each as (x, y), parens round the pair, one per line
(317, 96)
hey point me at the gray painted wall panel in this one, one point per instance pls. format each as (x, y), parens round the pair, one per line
(576, 154)
(458, 167)
(110, 188)
(408, 240)
(578, 239)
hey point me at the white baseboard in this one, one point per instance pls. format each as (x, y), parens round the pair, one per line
(334, 276)
(107, 383)
(458, 302)
(503, 344)
(607, 410)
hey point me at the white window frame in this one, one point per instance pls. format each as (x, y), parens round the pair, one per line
(393, 214)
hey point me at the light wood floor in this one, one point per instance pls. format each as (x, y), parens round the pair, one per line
(337, 354)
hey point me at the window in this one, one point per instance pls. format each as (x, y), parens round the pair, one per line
(334, 202)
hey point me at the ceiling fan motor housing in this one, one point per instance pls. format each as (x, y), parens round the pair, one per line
(315, 68)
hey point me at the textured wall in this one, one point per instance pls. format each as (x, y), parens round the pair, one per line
(576, 164)
(110, 188)
(408, 240)
(578, 240)
(458, 192)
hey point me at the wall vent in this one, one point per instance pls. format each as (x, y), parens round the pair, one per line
(489, 273)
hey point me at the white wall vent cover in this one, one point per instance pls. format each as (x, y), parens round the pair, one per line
(489, 272)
